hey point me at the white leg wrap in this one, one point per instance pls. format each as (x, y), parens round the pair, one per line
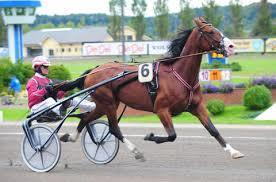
(74, 136)
(235, 154)
(85, 104)
(228, 148)
(129, 145)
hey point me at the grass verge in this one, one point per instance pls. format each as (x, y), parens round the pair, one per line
(233, 115)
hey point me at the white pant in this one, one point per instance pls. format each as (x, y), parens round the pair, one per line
(84, 105)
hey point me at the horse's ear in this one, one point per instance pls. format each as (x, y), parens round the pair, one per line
(202, 19)
(197, 22)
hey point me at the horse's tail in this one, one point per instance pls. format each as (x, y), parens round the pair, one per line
(77, 83)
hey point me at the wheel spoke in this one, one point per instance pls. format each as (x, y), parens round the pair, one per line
(98, 146)
(105, 151)
(103, 136)
(42, 162)
(50, 153)
(32, 156)
(38, 136)
(109, 141)
(94, 134)
(89, 143)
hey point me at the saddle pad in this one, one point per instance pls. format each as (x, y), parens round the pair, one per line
(145, 72)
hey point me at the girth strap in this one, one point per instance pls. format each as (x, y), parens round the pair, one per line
(154, 85)
(188, 86)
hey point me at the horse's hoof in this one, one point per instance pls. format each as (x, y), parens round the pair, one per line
(237, 155)
(64, 138)
(149, 136)
(139, 156)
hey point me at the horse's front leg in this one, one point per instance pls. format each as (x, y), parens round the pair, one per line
(166, 120)
(201, 113)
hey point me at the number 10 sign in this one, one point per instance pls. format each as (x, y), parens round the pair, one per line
(214, 75)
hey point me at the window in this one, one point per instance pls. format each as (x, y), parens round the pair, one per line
(76, 49)
(51, 52)
(8, 11)
(31, 11)
(69, 49)
(62, 50)
(20, 11)
(129, 37)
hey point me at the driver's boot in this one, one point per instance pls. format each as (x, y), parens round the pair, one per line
(63, 108)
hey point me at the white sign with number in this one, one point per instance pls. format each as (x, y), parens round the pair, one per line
(204, 75)
(214, 75)
(145, 72)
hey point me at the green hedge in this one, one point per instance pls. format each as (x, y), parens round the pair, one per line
(24, 72)
(234, 66)
(59, 72)
(215, 107)
(257, 98)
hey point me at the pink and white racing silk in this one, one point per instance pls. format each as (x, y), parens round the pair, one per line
(36, 89)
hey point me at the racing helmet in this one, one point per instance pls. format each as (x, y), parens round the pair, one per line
(40, 60)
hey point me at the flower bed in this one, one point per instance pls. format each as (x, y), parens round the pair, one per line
(235, 97)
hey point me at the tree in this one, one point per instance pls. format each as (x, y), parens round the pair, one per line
(186, 14)
(3, 32)
(26, 28)
(161, 19)
(114, 26)
(69, 24)
(138, 8)
(211, 13)
(235, 28)
(45, 26)
(81, 23)
(263, 26)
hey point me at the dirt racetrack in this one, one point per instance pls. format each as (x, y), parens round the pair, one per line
(194, 156)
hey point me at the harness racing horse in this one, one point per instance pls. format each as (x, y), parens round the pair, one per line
(178, 91)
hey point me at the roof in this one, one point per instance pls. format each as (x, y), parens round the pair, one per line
(19, 3)
(67, 35)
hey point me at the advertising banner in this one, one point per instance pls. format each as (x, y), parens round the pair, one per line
(248, 45)
(96, 49)
(161, 47)
(158, 47)
(271, 45)
(211, 57)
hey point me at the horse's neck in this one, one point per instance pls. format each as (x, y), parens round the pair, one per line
(188, 67)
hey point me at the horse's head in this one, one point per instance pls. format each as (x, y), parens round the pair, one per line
(211, 39)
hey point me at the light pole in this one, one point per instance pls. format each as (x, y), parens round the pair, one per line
(16, 13)
(123, 31)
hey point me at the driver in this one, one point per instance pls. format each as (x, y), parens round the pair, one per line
(40, 91)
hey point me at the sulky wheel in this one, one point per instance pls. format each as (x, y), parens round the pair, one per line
(46, 158)
(98, 144)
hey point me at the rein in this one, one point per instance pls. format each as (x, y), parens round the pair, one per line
(189, 55)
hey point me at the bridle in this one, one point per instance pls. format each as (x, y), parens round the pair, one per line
(216, 45)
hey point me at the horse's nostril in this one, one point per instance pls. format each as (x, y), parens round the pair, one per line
(231, 46)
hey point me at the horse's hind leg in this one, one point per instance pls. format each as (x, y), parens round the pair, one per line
(115, 130)
(166, 120)
(201, 113)
(93, 115)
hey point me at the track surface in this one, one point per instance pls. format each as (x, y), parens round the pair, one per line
(194, 156)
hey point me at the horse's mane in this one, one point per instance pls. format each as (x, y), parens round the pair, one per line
(176, 45)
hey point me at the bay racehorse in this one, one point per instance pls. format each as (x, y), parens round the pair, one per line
(179, 89)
